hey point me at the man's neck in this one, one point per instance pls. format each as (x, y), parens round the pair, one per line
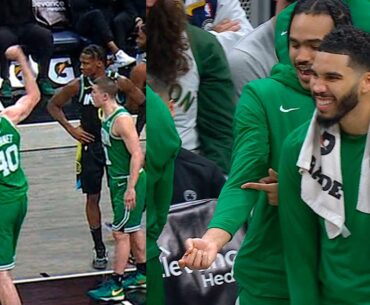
(98, 74)
(109, 108)
(357, 121)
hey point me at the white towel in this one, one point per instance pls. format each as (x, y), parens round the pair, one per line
(321, 185)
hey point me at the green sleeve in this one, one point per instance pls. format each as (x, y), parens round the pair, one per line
(162, 146)
(215, 98)
(299, 227)
(249, 163)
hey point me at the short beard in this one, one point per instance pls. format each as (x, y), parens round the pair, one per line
(346, 104)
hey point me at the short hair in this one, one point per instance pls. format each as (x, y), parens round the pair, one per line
(336, 9)
(96, 52)
(107, 85)
(348, 40)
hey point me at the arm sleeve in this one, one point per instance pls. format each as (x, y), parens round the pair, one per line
(215, 99)
(249, 164)
(162, 146)
(299, 227)
(232, 10)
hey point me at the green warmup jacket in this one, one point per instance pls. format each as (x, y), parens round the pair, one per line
(162, 146)
(323, 271)
(216, 93)
(269, 109)
(360, 16)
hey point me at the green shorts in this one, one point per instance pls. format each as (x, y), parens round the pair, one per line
(124, 220)
(11, 218)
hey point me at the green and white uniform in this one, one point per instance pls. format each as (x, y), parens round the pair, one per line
(320, 270)
(269, 109)
(13, 192)
(118, 162)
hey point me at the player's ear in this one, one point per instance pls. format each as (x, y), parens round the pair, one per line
(365, 83)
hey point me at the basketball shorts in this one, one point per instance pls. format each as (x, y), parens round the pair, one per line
(12, 215)
(124, 220)
(92, 167)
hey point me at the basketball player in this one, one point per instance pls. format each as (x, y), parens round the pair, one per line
(93, 63)
(13, 183)
(127, 183)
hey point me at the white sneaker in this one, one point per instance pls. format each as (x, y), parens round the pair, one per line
(122, 59)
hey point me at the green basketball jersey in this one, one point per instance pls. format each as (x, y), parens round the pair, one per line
(13, 183)
(117, 156)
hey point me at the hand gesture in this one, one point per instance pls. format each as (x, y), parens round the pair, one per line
(200, 254)
(267, 184)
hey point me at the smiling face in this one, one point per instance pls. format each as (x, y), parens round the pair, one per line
(306, 33)
(334, 86)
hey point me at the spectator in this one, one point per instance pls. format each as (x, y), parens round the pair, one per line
(198, 80)
(18, 26)
(129, 14)
(253, 56)
(92, 20)
(225, 19)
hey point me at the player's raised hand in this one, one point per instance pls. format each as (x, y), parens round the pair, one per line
(267, 184)
(14, 53)
(200, 254)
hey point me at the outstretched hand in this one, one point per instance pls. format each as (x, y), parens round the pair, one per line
(200, 254)
(267, 184)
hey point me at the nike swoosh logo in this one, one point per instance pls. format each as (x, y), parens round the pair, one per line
(116, 292)
(284, 33)
(282, 109)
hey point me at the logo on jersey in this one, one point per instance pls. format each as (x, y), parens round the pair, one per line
(6, 139)
(61, 70)
(282, 109)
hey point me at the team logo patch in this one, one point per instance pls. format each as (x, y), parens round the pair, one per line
(190, 195)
